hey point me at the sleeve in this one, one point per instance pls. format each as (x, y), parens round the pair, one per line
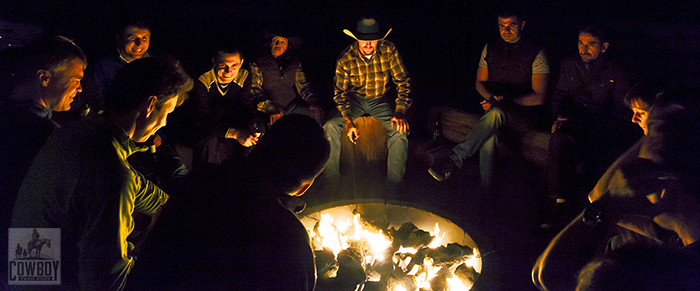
(200, 99)
(540, 65)
(562, 99)
(482, 59)
(150, 197)
(258, 97)
(304, 87)
(402, 80)
(342, 87)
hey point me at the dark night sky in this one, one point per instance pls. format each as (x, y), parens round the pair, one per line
(440, 41)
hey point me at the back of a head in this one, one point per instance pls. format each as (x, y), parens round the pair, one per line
(674, 133)
(293, 149)
(140, 79)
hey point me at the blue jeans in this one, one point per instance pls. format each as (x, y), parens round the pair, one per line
(397, 143)
(484, 138)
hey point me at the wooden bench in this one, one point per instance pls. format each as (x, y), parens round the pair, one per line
(368, 155)
(450, 126)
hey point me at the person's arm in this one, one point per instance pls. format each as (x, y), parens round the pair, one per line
(570, 250)
(303, 87)
(539, 90)
(306, 92)
(342, 88)
(482, 76)
(540, 78)
(403, 87)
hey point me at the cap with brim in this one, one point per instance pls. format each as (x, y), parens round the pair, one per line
(368, 30)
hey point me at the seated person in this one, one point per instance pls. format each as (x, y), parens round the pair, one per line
(237, 226)
(653, 200)
(512, 78)
(222, 124)
(279, 85)
(81, 182)
(591, 127)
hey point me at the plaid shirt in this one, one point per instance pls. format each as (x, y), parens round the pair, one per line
(369, 78)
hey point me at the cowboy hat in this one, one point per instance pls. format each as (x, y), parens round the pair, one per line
(367, 29)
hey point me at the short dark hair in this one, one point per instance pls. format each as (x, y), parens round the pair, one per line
(133, 22)
(54, 53)
(140, 79)
(596, 32)
(642, 91)
(511, 12)
(228, 49)
(293, 149)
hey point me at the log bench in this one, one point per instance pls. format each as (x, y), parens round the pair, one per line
(450, 126)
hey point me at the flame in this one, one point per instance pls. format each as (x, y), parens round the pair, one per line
(437, 240)
(373, 243)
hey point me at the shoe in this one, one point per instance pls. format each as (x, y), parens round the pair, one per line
(439, 176)
(442, 169)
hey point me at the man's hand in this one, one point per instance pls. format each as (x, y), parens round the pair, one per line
(399, 122)
(486, 104)
(274, 117)
(557, 123)
(353, 134)
(243, 137)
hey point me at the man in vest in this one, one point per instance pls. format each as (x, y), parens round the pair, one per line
(512, 78)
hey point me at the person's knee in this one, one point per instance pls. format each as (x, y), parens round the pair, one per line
(495, 116)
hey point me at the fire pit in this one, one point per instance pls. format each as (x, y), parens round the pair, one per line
(373, 245)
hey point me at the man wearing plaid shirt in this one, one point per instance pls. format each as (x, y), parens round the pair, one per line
(362, 78)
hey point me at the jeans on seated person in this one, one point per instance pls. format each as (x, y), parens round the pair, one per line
(397, 143)
(485, 135)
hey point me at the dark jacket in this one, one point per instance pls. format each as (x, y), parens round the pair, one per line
(591, 90)
(24, 127)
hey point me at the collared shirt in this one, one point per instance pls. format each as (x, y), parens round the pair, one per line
(369, 78)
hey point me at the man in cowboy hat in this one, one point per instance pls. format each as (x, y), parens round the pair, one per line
(512, 78)
(279, 85)
(362, 77)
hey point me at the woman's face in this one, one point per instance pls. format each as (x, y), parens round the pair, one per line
(641, 114)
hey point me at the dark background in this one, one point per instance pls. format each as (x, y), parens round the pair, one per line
(440, 41)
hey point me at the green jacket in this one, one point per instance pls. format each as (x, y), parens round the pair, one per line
(82, 183)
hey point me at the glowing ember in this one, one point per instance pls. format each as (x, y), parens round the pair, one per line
(353, 252)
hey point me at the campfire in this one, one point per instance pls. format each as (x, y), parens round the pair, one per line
(378, 246)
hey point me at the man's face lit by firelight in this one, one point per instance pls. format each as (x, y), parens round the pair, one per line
(227, 66)
(590, 47)
(510, 28)
(134, 43)
(278, 46)
(367, 47)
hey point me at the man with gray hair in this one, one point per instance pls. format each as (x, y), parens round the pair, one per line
(52, 81)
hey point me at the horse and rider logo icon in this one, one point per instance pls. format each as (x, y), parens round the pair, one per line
(34, 246)
(34, 256)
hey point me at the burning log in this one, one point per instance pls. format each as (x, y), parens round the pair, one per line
(409, 236)
(326, 265)
(358, 254)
